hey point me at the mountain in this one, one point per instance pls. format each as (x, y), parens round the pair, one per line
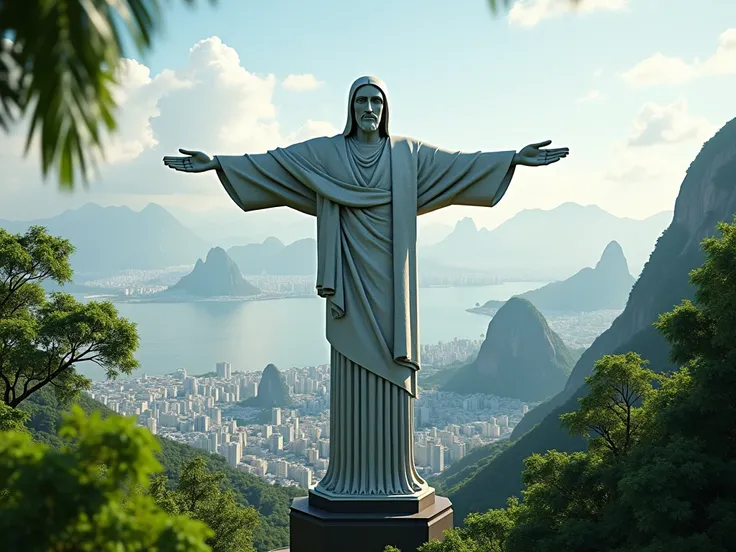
(111, 239)
(707, 196)
(544, 238)
(272, 390)
(430, 234)
(607, 286)
(521, 357)
(217, 276)
(230, 226)
(273, 257)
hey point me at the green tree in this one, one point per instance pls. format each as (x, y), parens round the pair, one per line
(679, 489)
(199, 495)
(42, 338)
(487, 532)
(609, 412)
(78, 498)
(12, 419)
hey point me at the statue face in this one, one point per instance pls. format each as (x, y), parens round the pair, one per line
(368, 107)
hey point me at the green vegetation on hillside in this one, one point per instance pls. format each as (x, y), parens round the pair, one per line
(89, 495)
(271, 502)
(659, 470)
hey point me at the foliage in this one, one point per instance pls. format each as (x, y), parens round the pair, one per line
(61, 70)
(43, 338)
(272, 502)
(609, 410)
(199, 495)
(660, 470)
(78, 498)
(486, 532)
(12, 419)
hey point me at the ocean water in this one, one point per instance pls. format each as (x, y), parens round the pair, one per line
(285, 332)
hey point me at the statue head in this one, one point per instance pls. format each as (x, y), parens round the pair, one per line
(367, 107)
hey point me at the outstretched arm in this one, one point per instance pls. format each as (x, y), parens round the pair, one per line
(253, 182)
(480, 179)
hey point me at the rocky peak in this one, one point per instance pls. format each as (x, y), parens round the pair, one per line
(613, 259)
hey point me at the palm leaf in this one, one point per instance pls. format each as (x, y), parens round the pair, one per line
(66, 53)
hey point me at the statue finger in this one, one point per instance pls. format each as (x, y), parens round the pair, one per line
(188, 152)
(541, 144)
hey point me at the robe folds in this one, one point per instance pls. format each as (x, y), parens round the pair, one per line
(366, 198)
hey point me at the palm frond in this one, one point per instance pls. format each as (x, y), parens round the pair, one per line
(66, 54)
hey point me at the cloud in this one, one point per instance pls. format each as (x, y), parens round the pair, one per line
(212, 104)
(302, 83)
(591, 96)
(528, 13)
(668, 124)
(661, 69)
(598, 73)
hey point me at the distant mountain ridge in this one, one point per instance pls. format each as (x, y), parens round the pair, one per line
(546, 238)
(605, 287)
(112, 239)
(274, 258)
(217, 276)
(521, 357)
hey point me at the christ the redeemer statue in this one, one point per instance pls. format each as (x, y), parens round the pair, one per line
(366, 188)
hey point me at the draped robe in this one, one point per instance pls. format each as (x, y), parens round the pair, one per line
(366, 198)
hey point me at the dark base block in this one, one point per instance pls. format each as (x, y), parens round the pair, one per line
(316, 530)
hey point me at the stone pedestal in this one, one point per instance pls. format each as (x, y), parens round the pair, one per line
(365, 526)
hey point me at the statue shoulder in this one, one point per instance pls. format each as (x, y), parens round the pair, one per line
(410, 144)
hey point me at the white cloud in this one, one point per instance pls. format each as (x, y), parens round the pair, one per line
(213, 104)
(302, 83)
(723, 62)
(668, 124)
(598, 73)
(591, 96)
(528, 13)
(661, 69)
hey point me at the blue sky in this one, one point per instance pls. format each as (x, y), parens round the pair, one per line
(457, 77)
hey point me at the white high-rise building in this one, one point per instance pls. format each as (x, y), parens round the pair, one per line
(276, 416)
(233, 453)
(224, 370)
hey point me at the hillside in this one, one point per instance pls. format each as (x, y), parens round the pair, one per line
(605, 287)
(707, 195)
(275, 258)
(546, 237)
(111, 239)
(217, 276)
(521, 357)
(272, 502)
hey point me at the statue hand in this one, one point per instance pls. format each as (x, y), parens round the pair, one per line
(194, 162)
(534, 156)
